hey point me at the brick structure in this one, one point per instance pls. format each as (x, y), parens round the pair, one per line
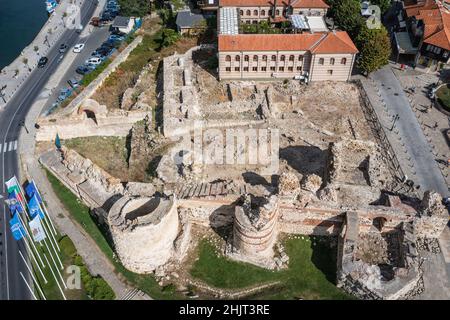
(323, 55)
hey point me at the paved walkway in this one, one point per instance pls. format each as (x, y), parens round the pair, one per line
(406, 138)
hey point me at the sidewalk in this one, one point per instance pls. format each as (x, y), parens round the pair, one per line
(15, 74)
(406, 137)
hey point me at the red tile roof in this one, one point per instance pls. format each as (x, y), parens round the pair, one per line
(338, 42)
(257, 3)
(436, 19)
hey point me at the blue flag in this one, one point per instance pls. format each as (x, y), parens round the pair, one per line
(31, 190)
(13, 203)
(16, 227)
(57, 142)
(34, 208)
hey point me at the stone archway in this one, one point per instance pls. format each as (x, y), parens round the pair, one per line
(379, 223)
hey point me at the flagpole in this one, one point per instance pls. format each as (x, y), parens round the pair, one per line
(54, 262)
(28, 286)
(57, 282)
(32, 242)
(47, 227)
(32, 275)
(43, 204)
(56, 253)
(32, 255)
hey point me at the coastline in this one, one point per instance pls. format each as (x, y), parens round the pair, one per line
(18, 70)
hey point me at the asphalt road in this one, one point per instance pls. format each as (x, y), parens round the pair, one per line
(12, 286)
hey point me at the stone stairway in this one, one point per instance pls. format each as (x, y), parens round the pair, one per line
(201, 190)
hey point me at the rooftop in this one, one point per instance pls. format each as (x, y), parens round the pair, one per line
(332, 42)
(257, 3)
(186, 19)
(229, 23)
(120, 22)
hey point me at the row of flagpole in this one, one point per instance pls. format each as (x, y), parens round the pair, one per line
(34, 227)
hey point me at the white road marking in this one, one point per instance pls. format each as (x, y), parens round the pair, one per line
(15, 145)
(10, 146)
(5, 146)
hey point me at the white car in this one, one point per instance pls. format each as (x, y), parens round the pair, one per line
(78, 47)
(94, 61)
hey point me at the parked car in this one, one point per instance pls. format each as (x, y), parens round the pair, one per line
(73, 82)
(42, 62)
(115, 37)
(62, 48)
(83, 70)
(94, 61)
(107, 44)
(78, 47)
(64, 94)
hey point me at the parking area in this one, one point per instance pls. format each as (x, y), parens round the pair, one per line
(99, 44)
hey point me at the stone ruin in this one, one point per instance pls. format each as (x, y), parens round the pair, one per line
(255, 229)
(377, 258)
(377, 264)
(143, 230)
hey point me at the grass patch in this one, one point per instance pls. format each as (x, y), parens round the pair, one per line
(110, 153)
(443, 95)
(311, 272)
(80, 213)
(91, 76)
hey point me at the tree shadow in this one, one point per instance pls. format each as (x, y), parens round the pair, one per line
(207, 60)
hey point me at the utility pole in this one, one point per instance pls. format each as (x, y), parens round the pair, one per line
(393, 122)
(22, 123)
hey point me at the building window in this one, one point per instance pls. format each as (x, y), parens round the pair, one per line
(291, 58)
(290, 68)
(264, 69)
(300, 58)
(332, 61)
(330, 72)
(264, 57)
(445, 54)
(241, 12)
(248, 13)
(299, 68)
(255, 69)
(344, 61)
(321, 61)
(272, 68)
(270, 12)
(277, 12)
(255, 12)
(246, 69)
(228, 58)
(246, 58)
(281, 69)
(274, 58)
(237, 69)
(255, 21)
(282, 58)
(263, 12)
(247, 22)
(228, 69)
(255, 58)
(237, 58)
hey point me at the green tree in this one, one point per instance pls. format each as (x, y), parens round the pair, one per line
(375, 48)
(347, 15)
(135, 8)
(169, 37)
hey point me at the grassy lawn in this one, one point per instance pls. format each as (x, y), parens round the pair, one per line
(311, 272)
(80, 213)
(443, 95)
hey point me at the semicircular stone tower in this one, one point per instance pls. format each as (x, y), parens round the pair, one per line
(143, 230)
(255, 227)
